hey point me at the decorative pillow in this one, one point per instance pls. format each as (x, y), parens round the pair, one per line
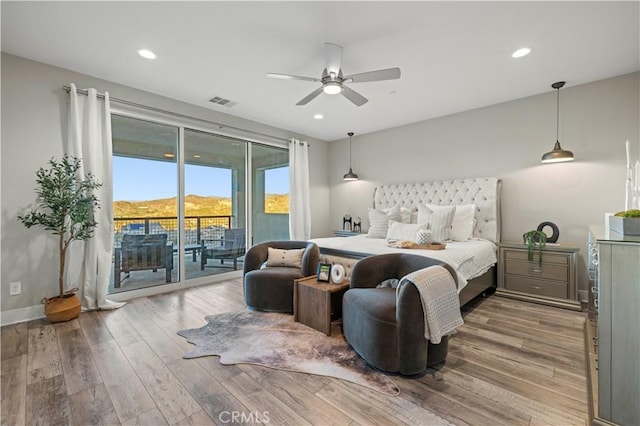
(289, 258)
(405, 213)
(399, 231)
(379, 221)
(463, 221)
(439, 221)
(424, 236)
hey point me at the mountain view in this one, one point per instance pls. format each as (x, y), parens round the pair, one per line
(195, 205)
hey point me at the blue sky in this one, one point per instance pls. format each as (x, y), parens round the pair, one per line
(138, 180)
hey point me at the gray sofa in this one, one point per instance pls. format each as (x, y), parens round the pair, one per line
(271, 289)
(385, 329)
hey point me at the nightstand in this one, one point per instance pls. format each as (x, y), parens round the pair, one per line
(553, 282)
(344, 233)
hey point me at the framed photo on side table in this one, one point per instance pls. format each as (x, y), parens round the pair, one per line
(324, 272)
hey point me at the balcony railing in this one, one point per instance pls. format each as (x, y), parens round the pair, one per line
(196, 227)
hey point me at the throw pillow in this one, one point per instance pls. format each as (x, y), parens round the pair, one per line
(399, 231)
(288, 258)
(379, 221)
(463, 220)
(405, 213)
(439, 221)
(424, 236)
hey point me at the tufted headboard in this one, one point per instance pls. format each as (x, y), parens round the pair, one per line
(483, 192)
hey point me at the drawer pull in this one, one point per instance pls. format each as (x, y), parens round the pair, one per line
(535, 270)
(535, 287)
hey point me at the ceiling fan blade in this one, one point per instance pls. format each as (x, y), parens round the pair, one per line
(292, 77)
(333, 57)
(311, 96)
(386, 74)
(354, 96)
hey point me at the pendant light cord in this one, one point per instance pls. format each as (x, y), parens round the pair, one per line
(558, 116)
(350, 136)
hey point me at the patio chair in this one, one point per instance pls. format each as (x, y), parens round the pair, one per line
(230, 247)
(142, 252)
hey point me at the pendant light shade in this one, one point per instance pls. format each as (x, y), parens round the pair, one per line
(557, 155)
(350, 175)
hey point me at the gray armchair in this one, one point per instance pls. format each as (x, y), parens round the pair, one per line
(271, 288)
(386, 329)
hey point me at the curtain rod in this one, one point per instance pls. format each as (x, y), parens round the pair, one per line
(175, 114)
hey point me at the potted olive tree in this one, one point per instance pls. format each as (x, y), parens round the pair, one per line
(66, 206)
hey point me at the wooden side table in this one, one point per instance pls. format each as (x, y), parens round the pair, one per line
(316, 304)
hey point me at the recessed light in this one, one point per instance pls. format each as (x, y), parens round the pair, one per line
(147, 54)
(521, 52)
(318, 116)
(196, 155)
(168, 155)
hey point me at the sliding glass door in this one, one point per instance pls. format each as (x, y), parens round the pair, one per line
(180, 200)
(145, 204)
(270, 200)
(214, 203)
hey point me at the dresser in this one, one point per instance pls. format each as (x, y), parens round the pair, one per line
(613, 330)
(554, 281)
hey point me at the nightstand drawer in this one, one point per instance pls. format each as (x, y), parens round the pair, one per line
(546, 257)
(534, 270)
(537, 287)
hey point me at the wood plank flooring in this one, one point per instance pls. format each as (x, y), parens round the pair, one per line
(512, 363)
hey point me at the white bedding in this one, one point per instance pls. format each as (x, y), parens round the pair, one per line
(470, 258)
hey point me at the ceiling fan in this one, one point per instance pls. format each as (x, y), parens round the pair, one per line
(333, 82)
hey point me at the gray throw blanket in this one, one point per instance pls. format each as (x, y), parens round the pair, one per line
(440, 301)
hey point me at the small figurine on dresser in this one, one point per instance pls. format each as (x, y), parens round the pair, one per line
(347, 223)
(357, 224)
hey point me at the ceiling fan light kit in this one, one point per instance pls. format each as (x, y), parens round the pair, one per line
(557, 154)
(333, 81)
(332, 88)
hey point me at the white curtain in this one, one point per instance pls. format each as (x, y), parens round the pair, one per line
(299, 199)
(89, 262)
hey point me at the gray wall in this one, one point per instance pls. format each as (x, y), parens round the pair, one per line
(34, 117)
(507, 141)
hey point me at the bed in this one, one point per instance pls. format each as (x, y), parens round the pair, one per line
(474, 259)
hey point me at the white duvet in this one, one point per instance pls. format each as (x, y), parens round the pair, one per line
(470, 258)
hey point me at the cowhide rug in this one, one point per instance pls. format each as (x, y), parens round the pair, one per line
(275, 340)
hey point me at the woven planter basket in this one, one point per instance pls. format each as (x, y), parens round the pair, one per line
(65, 308)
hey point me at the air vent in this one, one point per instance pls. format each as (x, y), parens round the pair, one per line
(222, 101)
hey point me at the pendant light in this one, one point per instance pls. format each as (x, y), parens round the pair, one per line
(350, 175)
(557, 155)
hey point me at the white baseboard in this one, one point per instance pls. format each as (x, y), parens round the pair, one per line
(20, 315)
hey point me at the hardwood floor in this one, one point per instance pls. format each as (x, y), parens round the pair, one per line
(512, 363)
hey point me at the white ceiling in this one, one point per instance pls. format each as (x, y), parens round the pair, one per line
(454, 56)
